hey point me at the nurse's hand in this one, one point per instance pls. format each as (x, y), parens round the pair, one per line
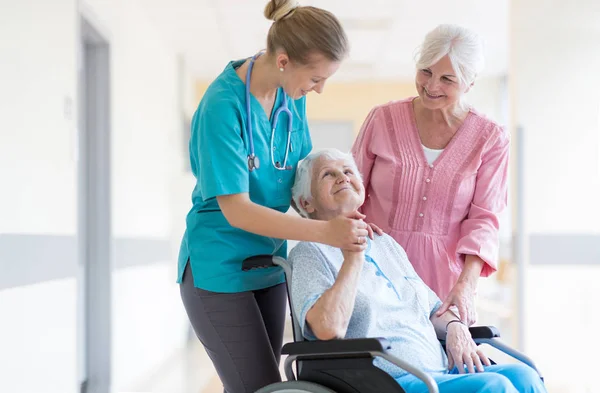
(347, 231)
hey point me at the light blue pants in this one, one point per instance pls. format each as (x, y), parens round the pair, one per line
(505, 378)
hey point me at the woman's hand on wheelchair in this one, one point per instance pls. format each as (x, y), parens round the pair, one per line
(462, 350)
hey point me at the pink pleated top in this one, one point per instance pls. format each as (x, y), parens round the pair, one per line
(437, 212)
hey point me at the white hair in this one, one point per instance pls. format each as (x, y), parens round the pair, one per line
(304, 173)
(464, 47)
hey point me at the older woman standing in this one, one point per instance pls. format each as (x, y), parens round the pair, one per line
(435, 171)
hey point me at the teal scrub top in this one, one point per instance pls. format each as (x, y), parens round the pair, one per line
(219, 161)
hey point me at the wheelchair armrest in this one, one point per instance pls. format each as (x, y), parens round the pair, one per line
(490, 335)
(346, 348)
(481, 332)
(497, 343)
(339, 348)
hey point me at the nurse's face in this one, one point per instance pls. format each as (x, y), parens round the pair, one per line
(336, 189)
(438, 86)
(299, 79)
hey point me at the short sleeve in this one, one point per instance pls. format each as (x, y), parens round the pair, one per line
(311, 277)
(220, 150)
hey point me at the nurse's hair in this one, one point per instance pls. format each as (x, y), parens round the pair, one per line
(464, 47)
(302, 30)
(304, 173)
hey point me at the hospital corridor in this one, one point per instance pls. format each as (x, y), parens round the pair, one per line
(120, 145)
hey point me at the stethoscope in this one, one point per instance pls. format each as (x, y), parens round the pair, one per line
(253, 162)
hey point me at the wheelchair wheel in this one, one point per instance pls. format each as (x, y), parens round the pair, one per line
(295, 387)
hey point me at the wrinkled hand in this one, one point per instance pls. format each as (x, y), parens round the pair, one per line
(463, 297)
(353, 256)
(348, 232)
(373, 228)
(462, 350)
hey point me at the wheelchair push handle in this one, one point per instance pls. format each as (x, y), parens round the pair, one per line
(258, 262)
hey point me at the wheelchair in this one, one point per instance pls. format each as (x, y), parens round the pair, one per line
(346, 365)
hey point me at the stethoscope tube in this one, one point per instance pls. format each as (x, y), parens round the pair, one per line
(288, 145)
(253, 162)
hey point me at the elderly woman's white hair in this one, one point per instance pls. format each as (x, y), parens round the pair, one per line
(303, 182)
(464, 47)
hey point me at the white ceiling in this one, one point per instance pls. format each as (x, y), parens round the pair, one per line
(384, 34)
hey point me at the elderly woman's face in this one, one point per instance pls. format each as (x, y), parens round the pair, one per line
(438, 86)
(336, 189)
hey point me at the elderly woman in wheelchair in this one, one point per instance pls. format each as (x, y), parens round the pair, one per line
(338, 294)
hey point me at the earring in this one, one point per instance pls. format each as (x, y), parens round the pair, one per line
(281, 69)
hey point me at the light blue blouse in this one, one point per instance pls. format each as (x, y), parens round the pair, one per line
(391, 301)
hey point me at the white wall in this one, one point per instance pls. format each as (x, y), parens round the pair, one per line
(557, 81)
(38, 183)
(555, 63)
(150, 192)
(489, 96)
(37, 79)
(148, 183)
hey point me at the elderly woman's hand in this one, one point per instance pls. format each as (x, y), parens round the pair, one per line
(462, 350)
(353, 256)
(463, 297)
(347, 231)
(373, 228)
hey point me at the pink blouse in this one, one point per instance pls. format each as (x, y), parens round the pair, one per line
(441, 212)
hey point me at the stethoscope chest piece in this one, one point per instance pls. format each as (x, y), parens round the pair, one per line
(253, 162)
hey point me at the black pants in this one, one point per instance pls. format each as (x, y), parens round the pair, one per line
(241, 332)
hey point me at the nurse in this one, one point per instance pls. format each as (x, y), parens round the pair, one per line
(247, 136)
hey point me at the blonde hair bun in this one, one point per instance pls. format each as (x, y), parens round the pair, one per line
(277, 9)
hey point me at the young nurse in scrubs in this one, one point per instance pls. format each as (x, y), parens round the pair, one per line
(247, 136)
